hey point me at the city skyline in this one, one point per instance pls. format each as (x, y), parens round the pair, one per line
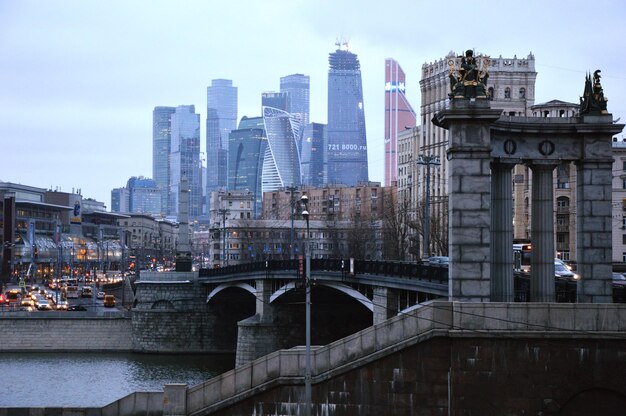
(79, 96)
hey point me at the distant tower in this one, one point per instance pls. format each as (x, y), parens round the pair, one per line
(161, 140)
(246, 152)
(399, 115)
(183, 250)
(312, 154)
(221, 119)
(347, 143)
(281, 164)
(185, 159)
(297, 88)
(273, 99)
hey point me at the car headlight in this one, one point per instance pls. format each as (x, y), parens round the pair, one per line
(576, 276)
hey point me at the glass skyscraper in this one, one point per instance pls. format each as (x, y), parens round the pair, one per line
(399, 115)
(274, 99)
(246, 152)
(297, 88)
(161, 139)
(281, 164)
(185, 160)
(312, 154)
(221, 120)
(144, 196)
(347, 143)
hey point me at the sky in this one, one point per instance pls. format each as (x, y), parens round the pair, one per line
(79, 79)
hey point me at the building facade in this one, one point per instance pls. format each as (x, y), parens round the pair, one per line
(399, 116)
(281, 161)
(221, 120)
(144, 196)
(185, 160)
(246, 150)
(619, 203)
(312, 155)
(279, 100)
(161, 144)
(297, 88)
(347, 142)
(511, 87)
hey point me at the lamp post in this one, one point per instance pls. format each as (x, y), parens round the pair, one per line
(307, 288)
(428, 161)
(292, 203)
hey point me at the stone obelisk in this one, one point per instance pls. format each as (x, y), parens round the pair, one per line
(183, 251)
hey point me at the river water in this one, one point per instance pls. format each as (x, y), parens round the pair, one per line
(97, 379)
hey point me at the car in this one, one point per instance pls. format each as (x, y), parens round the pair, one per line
(86, 292)
(44, 305)
(439, 260)
(27, 302)
(75, 308)
(562, 272)
(619, 279)
(109, 301)
(100, 295)
(62, 305)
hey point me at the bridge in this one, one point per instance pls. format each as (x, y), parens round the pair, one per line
(257, 308)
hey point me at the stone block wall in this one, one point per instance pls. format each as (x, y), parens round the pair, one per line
(65, 333)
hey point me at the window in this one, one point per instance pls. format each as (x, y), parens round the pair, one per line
(623, 238)
(491, 93)
(522, 93)
(624, 257)
(507, 92)
(623, 164)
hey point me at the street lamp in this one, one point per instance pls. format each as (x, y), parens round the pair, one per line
(428, 161)
(307, 288)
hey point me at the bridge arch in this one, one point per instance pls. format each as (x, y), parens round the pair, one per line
(353, 293)
(245, 286)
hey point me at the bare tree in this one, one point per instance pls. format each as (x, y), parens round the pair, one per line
(397, 228)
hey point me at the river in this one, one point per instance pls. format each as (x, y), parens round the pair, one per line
(97, 379)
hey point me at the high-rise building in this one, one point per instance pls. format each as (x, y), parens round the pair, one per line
(221, 119)
(120, 200)
(274, 99)
(312, 154)
(281, 162)
(144, 196)
(161, 140)
(185, 160)
(347, 142)
(511, 87)
(399, 116)
(246, 151)
(296, 86)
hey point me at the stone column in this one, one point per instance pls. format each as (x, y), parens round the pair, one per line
(542, 233)
(469, 190)
(502, 289)
(385, 301)
(263, 294)
(594, 232)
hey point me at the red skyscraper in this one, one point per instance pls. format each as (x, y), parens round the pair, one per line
(398, 115)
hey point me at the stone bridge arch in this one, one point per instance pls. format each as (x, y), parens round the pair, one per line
(345, 289)
(245, 286)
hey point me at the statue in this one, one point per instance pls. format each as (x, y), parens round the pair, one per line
(593, 102)
(468, 76)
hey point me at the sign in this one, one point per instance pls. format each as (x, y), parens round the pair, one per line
(352, 266)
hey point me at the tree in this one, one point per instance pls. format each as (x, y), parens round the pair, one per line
(397, 228)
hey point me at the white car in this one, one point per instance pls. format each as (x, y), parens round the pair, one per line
(43, 305)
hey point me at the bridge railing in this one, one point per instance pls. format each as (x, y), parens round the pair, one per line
(384, 268)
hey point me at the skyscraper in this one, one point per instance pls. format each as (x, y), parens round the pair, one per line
(274, 99)
(312, 154)
(246, 152)
(221, 119)
(185, 160)
(161, 139)
(281, 164)
(347, 142)
(296, 86)
(399, 115)
(144, 196)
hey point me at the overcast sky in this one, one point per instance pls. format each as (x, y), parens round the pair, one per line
(79, 79)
